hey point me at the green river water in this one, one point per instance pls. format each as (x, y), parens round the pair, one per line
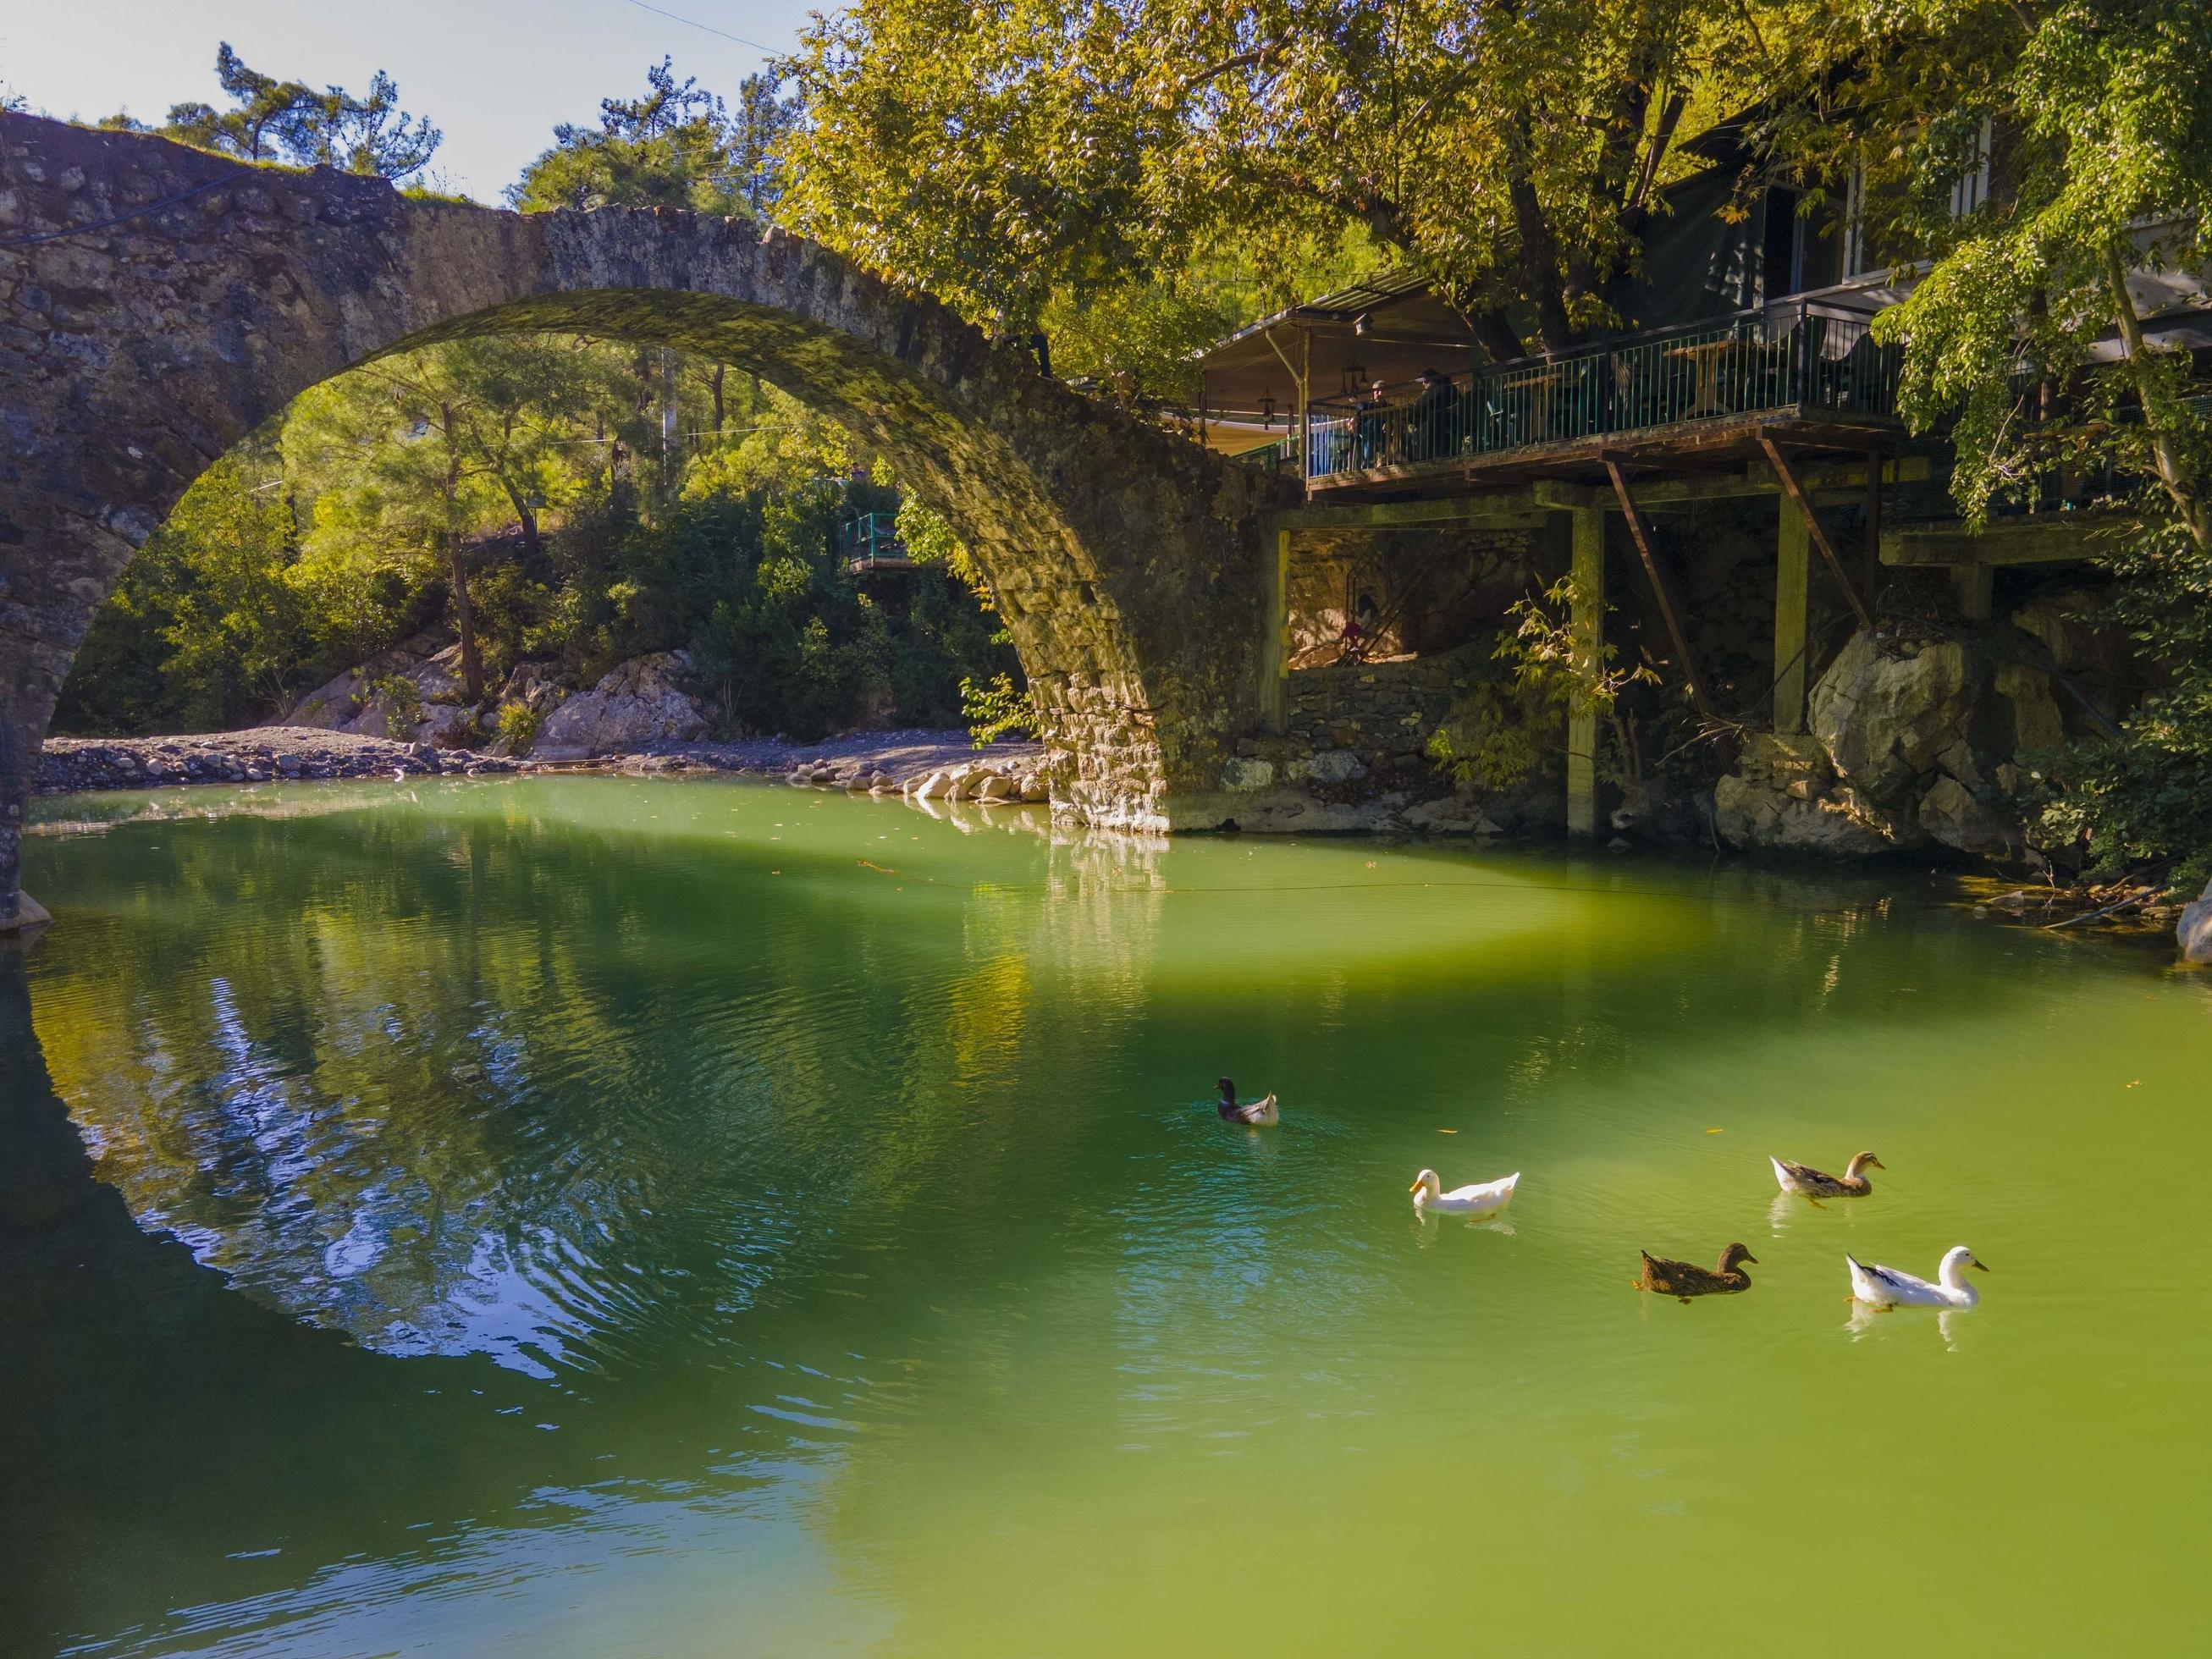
(611, 1217)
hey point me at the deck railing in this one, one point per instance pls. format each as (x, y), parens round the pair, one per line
(871, 538)
(1802, 356)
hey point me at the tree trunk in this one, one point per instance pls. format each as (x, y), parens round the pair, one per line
(532, 546)
(1541, 273)
(464, 619)
(667, 423)
(2162, 414)
(718, 371)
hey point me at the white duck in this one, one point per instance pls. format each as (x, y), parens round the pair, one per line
(1477, 1197)
(1886, 1287)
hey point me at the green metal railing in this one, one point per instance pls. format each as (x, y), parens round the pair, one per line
(871, 538)
(1802, 355)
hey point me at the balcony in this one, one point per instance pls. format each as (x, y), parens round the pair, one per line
(1812, 366)
(869, 543)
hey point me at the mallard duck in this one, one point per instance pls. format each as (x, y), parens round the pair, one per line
(1886, 1287)
(1686, 1280)
(1252, 1111)
(1477, 1197)
(1819, 1183)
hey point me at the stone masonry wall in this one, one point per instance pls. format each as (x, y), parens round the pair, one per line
(1352, 752)
(1433, 587)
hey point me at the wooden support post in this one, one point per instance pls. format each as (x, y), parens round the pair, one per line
(1276, 690)
(1587, 624)
(1793, 569)
(1797, 492)
(1873, 527)
(1977, 586)
(1660, 586)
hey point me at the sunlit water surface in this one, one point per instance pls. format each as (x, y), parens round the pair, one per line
(600, 1217)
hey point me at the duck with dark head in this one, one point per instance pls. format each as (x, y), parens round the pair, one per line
(1252, 1111)
(1684, 1279)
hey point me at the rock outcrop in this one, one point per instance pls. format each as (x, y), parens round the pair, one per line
(640, 704)
(2193, 932)
(1914, 741)
(1784, 796)
(412, 693)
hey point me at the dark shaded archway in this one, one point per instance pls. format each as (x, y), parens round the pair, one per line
(158, 303)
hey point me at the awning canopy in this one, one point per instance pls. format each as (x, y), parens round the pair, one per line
(1388, 329)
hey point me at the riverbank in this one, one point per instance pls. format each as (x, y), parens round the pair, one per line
(903, 762)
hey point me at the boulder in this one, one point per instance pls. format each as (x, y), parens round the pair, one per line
(1886, 713)
(1335, 766)
(2073, 629)
(30, 916)
(361, 700)
(638, 704)
(1952, 814)
(2193, 932)
(1450, 815)
(993, 787)
(1750, 814)
(2037, 725)
(1242, 773)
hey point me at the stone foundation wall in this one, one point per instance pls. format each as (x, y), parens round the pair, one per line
(1353, 753)
(1432, 588)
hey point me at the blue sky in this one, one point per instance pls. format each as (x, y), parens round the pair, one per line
(495, 75)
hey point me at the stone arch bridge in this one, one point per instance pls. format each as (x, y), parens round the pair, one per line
(158, 303)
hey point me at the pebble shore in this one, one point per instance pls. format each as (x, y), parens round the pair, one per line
(901, 760)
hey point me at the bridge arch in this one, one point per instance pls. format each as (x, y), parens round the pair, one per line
(157, 303)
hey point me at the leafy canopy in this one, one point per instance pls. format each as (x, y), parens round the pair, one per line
(273, 120)
(1015, 154)
(676, 145)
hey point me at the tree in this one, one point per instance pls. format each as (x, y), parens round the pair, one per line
(2028, 337)
(1006, 154)
(413, 453)
(669, 148)
(675, 146)
(273, 120)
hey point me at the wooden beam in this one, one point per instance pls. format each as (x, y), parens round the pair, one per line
(1793, 569)
(1645, 551)
(1512, 510)
(2047, 539)
(1780, 463)
(1830, 484)
(1587, 626)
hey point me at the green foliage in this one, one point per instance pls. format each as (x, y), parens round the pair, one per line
(1497, 735)
(1027, 159)
(402, 695)
(518, 726)
(995, 709)
(214, 622)
(331, 539)
(2027, 340)
(676, 146)
(274, 121)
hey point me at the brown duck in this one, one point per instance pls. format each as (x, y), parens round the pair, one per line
(1684, 1279)
(1819, 1183)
